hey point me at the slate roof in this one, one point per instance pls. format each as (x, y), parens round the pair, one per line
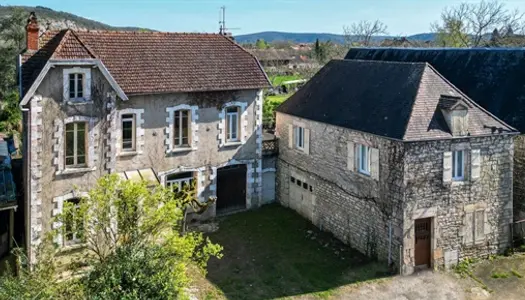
(390, 99)
(494, 78)
(153, 62)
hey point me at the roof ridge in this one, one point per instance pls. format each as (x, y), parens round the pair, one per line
(61, 43)
(415, 100)
(135, 32)
(385, 62)
(470, 101)
(89, 50)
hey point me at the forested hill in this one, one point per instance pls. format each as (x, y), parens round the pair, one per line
(272, 36)
(59, 19)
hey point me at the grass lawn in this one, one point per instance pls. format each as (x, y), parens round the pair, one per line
(503, 276)
(279, 79)
(272, 252)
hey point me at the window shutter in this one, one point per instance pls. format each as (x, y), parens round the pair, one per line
(447, 166)
(351, 156)
(374, 163)
(475, 164)
(468, 237)
(290, 136)
(479, 225)
(307, 141)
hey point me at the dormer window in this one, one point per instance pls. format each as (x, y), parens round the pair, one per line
(77, 85)
(455, 111)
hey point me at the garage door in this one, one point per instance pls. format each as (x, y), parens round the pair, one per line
(231, 187)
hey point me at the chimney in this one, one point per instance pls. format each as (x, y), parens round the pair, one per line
(32, 31)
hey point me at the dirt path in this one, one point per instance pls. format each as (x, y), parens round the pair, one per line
(424, 285)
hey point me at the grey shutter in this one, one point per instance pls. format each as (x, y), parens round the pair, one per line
(468, 231)
(351, 156)
(290, 136)
(447, 166)
(307, 141)
(475, 171)
(374, 163)
(479, 226)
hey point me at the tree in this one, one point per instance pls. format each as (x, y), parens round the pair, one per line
(10, 114)
(362, 32)
(12, 35)
(261, 44)
(134, 240)
(320, 51)
(469, 24)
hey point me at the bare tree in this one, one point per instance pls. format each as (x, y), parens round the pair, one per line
(362, 32)
(469, 24)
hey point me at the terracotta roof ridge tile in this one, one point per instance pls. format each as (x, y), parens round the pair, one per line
(61, 44)
(132, 32)
(89, 50)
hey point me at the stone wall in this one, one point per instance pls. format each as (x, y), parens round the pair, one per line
(519, 178)
(356, 208)
(447, 203)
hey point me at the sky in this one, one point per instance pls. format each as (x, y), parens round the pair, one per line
(403, 17)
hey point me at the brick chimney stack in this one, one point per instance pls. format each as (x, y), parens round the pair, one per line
(32, 32)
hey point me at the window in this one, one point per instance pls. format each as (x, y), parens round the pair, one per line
(232, 124)
(179, 181)
(76, 144)
(76, 86)
(292, 179)
(363, 159)
(458, 165)
(128, 132)
(181, 128)
(299, 182)
(299, 137)
(73, 222)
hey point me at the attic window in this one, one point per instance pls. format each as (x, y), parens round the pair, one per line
(77, 84)
(455, 110)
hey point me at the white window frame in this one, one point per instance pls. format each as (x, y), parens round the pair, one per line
(179, 134)
(242, 129)
(456, 167)
(75, 146)
(134, 131)
(229, 124)
(366, 150)
(86, 84)
(299, 137)
(177, 183)
(75, 86)
(193, 137)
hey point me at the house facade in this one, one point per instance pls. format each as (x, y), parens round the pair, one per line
(398, 163)
(489, 76)
(173, 108)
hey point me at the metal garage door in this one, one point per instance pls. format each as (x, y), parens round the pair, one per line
(231, 187)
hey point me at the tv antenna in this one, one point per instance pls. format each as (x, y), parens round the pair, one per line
(222, 22)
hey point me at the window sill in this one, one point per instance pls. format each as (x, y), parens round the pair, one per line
(72, 247)
(232, 144)
(127, 153)
(458, 183)
(78, 102)
(75, 171)
(180, 150)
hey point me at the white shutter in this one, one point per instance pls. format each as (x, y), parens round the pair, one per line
(351, 156)
(290, 136)
(447, 166)
(307, 141)
(475, 171)
(468, 222)
(374, 163)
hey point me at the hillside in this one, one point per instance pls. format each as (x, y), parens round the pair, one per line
(52, 19)
(272, 36)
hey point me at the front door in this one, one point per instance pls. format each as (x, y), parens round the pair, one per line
(231, 187)
(423, 235)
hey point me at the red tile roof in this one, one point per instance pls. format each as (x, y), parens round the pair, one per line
(153, 62)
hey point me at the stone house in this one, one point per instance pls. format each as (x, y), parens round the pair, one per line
(398, 163)
(492, 77)
(179, 108)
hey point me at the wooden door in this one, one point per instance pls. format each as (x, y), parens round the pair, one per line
(231, 187)
(423, 234)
